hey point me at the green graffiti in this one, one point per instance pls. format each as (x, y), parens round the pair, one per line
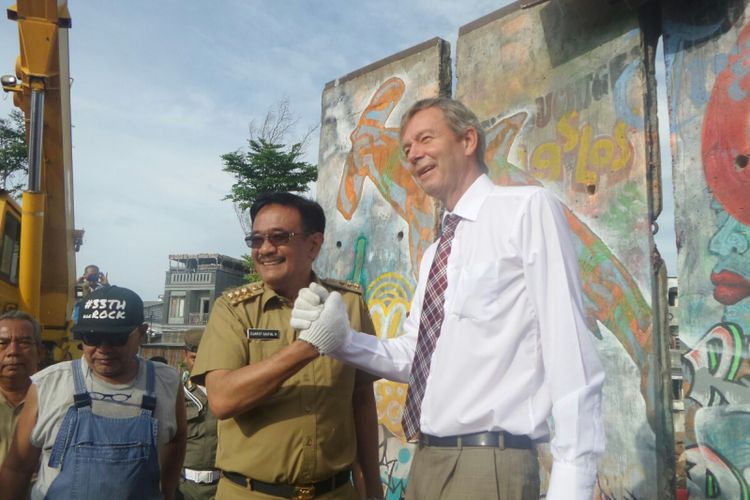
(359, 274)
(736, 332)
(712, 486)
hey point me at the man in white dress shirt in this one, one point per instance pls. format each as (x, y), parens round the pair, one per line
(510, 344)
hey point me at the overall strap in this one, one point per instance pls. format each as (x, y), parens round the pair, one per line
(149, 398)
(81, 396)
(82, 400)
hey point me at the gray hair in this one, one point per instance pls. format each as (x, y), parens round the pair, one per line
(24, 316)
(458, 117)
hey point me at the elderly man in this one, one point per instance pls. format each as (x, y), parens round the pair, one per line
(199, 476)
(20, 351)
(292, 423)
(109, 426)
(496, 340)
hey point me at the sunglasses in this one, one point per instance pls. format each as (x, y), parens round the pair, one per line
(111, 339)
(277, 239)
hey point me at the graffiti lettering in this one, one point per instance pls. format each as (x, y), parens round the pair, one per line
(579, 94)
(592, 156)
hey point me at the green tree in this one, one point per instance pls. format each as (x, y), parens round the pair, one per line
(267, 167)
(14, 161)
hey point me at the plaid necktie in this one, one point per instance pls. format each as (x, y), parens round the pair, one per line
(429, 327)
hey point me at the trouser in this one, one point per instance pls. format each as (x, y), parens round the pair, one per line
(471, 473)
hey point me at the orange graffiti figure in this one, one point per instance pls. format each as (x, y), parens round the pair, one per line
(375, 154)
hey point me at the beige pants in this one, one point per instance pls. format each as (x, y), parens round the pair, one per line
(439, 473)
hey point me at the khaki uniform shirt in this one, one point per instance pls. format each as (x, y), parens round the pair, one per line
(303, 433)
(8, 419)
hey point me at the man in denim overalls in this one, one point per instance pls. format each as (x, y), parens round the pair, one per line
(110, 425)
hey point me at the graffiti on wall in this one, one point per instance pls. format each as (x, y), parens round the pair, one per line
(586, 139)
(717, 364)
(389, 298)
(375, 155)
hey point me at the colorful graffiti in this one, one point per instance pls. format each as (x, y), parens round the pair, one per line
(593, 156)
(716, 277)
(389, 298)
(375, 155)
(713, 469)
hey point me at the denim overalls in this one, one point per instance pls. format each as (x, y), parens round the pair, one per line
(106, 457)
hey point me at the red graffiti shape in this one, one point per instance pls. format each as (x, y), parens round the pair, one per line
(726, 144)
(730, 287)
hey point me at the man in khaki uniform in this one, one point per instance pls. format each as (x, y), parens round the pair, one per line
(20, 351)
(199, 476)
(292, 423)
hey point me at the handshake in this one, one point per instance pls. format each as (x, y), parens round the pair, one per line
(321, 318)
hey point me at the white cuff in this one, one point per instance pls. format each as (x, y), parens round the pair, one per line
(569, 482)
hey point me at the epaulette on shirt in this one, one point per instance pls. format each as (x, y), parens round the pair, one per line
(349, 286)
(240, 294)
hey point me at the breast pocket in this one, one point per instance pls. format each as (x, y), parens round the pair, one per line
(263, 349)
(479, 286)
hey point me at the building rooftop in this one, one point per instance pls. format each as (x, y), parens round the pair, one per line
(183, 261)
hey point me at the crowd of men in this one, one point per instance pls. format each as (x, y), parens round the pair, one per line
(278, 398)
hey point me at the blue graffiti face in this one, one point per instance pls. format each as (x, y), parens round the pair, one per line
(731, 275)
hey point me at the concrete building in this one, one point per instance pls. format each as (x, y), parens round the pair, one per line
(191, 285)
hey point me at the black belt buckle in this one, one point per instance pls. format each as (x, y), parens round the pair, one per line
(484, 439)
(304, 492)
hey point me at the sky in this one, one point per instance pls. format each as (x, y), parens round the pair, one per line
(161, 89)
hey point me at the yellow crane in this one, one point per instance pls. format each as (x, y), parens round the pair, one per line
(38, 240)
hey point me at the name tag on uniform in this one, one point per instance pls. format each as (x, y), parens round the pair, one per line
(262, 334)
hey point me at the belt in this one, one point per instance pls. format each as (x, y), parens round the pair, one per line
(302, 491)
(201, 476)
(500, 439)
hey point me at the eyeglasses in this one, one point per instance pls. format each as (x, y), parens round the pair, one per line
(277, 239)
(111, 339)
(23, 343)
(119, 397)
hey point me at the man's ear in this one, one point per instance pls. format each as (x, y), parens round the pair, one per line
(316, 243)
(143, 329)
(470, 141)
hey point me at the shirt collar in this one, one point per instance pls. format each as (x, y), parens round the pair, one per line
(471, 201)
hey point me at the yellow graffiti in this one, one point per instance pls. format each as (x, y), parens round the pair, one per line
(389, 300)
(592, 156)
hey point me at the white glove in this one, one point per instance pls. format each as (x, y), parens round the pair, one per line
(308, 306)
(331, 330)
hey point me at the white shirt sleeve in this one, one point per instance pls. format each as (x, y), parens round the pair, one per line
(572, 368)
(390, 358)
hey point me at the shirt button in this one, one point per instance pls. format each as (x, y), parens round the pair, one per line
(308, 408)
(309, 441)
